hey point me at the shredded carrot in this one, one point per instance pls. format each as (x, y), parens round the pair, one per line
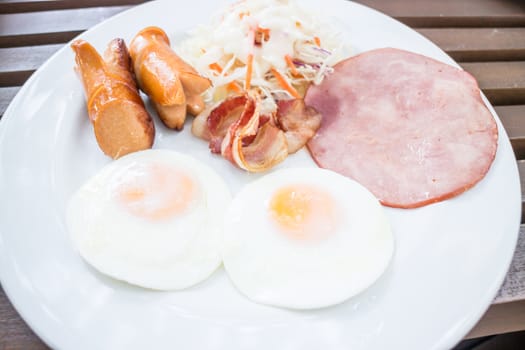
(249, 68)
(264, 31)
(261, 35)
(285, 84)
(290, 64)
(233, 86)
(215, 66)
(317, 41)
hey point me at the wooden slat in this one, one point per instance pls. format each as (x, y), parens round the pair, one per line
(521, 170)
(502, 82)
(49, 27)
(513, 287)
(14, 333)
(20, 62)
(513, 119)
(501, 318)
(479, 44)
(505, 341)
(38, 38)
(6, 96)
(16, 6)
(453, 13)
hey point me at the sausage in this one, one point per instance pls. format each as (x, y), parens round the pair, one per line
(120, 121)
(173, 85)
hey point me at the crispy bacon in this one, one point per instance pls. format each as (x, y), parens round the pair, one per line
(267, 149)
(237, 131)
(246, 125)
(222, 117)
(263, 119)
(300, 122)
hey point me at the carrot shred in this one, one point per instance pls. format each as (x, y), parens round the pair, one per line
(261, 35)
(249, 68)
(317, 41)
(290, 64)
(285, 84)
(215, 66)
(233, 86)
(265, 31)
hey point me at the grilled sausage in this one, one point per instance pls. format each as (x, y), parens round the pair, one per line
(173, 85)
(120, 121)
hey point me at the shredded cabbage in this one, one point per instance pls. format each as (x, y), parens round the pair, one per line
(285, 47)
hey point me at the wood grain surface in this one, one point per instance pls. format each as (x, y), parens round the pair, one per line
(50, 27)
(486, 37)
(453, 13)
(502, 82)
(479, 44)
(14, 332)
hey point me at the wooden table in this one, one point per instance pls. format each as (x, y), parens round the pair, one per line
(487, 37)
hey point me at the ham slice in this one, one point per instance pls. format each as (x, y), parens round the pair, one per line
(413, 130)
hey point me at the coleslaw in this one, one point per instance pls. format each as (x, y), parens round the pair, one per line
(270, 47)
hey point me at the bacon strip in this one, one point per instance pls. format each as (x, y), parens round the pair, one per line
(237, 131)
(300, 122)
(246, 125)
(222, 117)
(268, 149)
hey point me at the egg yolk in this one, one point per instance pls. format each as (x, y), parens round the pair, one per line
(155, 191)
(303, 212)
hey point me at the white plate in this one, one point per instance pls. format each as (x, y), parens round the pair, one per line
(450, 257)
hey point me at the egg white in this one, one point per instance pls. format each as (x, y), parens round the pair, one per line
(272, 268)
(165, 254)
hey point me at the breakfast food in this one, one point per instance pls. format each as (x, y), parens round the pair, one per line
(115, 108)
(152, 218)
(237, 130)
(173, 85)
(412, 130)
(270, 51)
(299, 122)
(273, 47)
(305, 238)
(391, 125)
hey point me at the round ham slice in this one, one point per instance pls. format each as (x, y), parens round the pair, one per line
(412, 130)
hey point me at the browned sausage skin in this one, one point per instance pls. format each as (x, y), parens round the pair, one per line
(173, 85)
(120, 121)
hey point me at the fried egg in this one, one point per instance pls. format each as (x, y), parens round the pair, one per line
(151, 218)
(305, 238)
